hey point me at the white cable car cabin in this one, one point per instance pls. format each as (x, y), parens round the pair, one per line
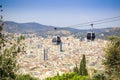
(56, 40)
(91, 36)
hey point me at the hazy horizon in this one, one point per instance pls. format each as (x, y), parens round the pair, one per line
(61, 13)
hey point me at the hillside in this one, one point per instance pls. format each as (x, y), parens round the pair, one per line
(45, 30)
(14, 27)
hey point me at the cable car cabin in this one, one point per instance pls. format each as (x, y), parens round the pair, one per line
(56, 40)
(91, 36)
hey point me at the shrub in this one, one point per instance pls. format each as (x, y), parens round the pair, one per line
(25, 77)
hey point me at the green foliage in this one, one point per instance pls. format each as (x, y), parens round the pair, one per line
(20, 38)
(69, 76)
(83, 71)
(7, 64)
(1, 37)
(25, 77)
(99, 76)
(8, 61)
(0, 28)
(18, 49)
(112, 58)
(76, 69)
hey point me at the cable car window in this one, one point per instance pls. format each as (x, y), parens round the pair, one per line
(91, 36)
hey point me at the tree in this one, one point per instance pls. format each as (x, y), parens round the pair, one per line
(112, 58)
(8, 64)
(7, 59)
(76, 69)
(83, 71)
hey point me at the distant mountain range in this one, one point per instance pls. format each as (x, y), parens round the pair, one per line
(15, 27)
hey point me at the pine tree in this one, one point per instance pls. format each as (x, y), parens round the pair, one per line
(83, 71)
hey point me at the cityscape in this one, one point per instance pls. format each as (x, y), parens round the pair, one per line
(59, 40)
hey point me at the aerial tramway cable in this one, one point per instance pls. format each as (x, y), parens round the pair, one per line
(106, 20)
(91, 35)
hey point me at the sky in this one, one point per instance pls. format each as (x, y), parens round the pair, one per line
(61, 13)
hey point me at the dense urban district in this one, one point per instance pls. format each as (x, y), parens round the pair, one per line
(42, 59)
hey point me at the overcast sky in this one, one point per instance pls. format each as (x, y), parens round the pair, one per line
(61, 12)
